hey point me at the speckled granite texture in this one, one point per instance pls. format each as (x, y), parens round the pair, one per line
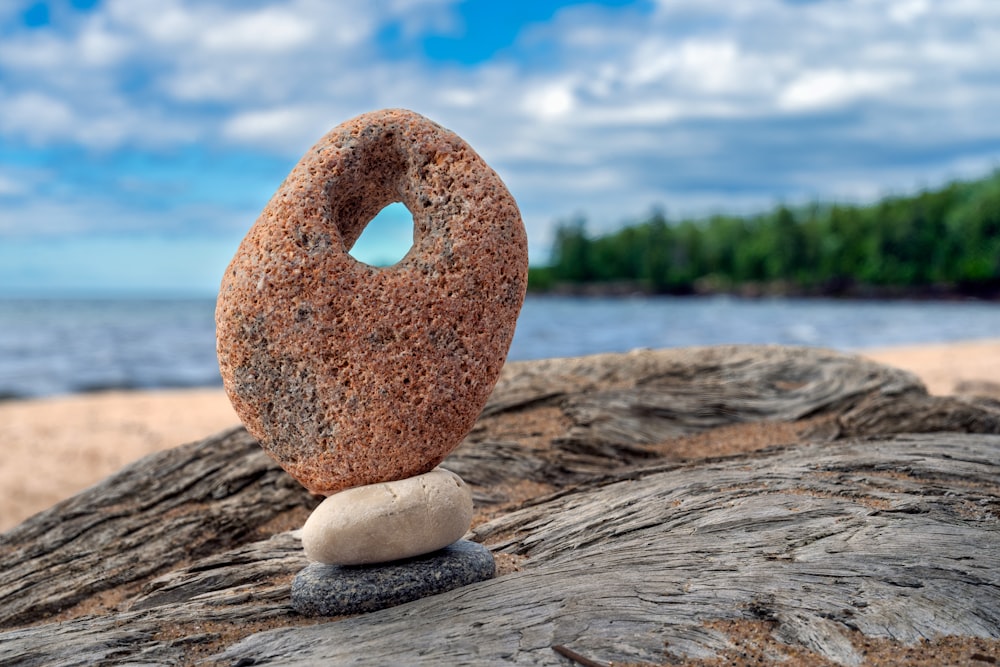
(332, 590)
(349, 374)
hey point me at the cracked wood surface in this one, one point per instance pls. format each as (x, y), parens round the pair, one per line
(875, 514)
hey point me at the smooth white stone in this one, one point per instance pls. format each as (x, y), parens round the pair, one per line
(381, 522)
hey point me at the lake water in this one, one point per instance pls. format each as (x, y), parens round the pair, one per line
(53, 346)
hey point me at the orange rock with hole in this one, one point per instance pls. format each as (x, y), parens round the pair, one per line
(350, 374)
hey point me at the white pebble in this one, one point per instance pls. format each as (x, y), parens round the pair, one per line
(390, 520)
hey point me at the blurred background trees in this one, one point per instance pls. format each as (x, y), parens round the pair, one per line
(949, 237)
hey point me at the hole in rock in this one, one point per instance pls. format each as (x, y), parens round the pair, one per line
(387, 238)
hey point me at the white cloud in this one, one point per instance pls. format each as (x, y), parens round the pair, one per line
(158, 22)
(830, 88)
(704, 65)
(37, 117)
(907, 11)
(10, 187)
(33, 53)
(274, 128)
(551, 100)
(99, 47)
(269, 30)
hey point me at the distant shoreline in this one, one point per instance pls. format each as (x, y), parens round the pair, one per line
(844, 291)
(702, 288)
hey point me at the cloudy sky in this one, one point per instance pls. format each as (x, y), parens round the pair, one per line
(139, 139)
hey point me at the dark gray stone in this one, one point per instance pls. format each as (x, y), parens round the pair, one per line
(332, 590)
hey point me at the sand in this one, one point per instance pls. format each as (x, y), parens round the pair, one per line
(948, 368)
(55, 447)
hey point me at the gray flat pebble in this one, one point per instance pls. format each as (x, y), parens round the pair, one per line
(332, 590)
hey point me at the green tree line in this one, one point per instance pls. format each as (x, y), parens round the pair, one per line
(944, 237)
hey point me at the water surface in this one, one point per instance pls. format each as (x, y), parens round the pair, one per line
(59, 346)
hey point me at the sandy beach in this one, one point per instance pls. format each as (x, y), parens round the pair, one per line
(55, 447)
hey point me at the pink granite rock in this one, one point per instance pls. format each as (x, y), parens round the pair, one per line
(350, 374)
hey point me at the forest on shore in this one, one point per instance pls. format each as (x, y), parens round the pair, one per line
(937, 243)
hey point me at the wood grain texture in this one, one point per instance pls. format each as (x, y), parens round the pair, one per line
(852, 524)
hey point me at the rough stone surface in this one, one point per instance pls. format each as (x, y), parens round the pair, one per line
(332, 590)
(350, 374)
(389, 520)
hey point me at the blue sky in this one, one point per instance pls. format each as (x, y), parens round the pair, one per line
(139, 139)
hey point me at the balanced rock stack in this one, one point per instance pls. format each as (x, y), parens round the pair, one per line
(359, 380)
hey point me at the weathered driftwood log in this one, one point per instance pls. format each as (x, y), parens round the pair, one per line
(823, 542)
(630, 544)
